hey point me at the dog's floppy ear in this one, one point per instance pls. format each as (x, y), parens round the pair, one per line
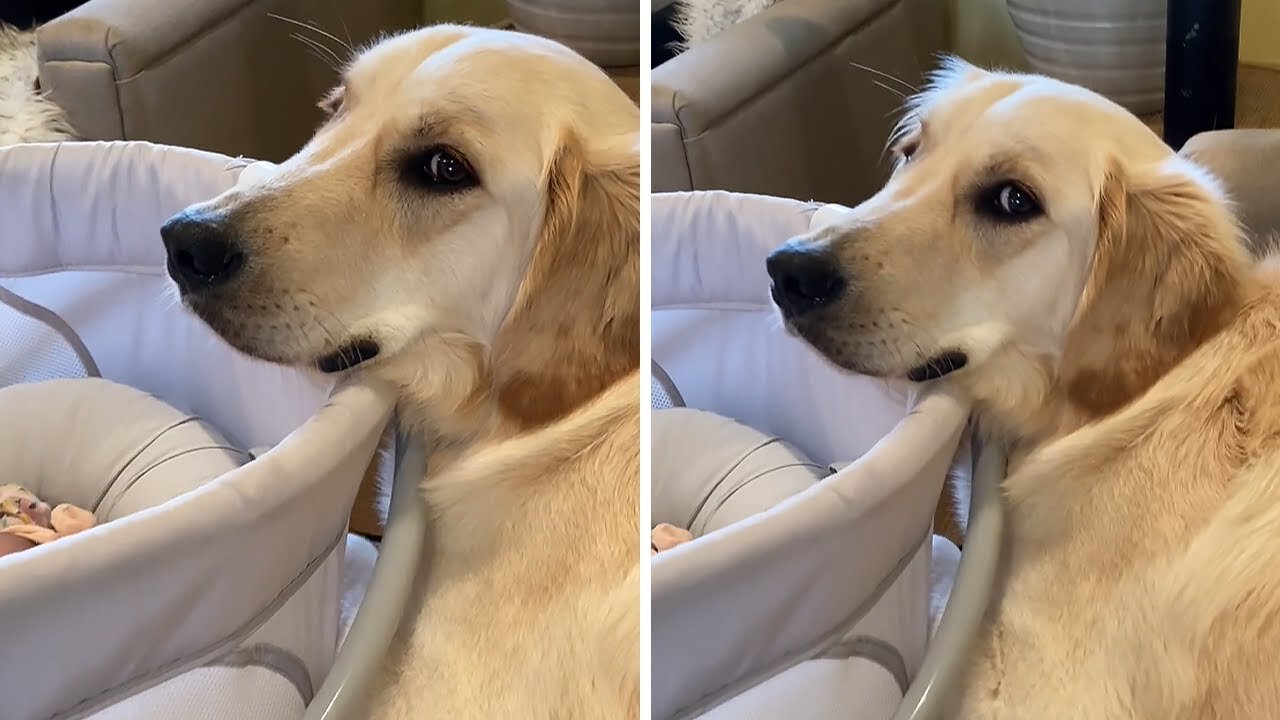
(1167, 273)
(575, 326)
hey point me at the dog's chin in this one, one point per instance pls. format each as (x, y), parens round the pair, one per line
(230, 331)
(268, 348)
(934, 367)
(837, 355)
(812, 332)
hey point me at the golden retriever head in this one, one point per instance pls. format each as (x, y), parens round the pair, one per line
(466, 221)
(1035, 242)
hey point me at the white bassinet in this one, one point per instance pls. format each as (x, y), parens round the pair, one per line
(816, 608)
(218, 603)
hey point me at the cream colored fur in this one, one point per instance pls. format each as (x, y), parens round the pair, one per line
(1128, 348)
(1140, 578)
(507, 312)
(532, 593)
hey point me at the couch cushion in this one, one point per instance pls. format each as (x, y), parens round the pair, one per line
(1248, 164)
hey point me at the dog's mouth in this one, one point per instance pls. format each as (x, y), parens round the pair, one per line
(348, 356)
(938, 366)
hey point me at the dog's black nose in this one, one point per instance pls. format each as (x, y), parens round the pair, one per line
(804, 278)
(202, 251)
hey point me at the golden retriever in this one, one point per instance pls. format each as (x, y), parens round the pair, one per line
(1039, 247)
(465, 225)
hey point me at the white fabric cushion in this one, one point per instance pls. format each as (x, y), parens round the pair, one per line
(710, 472)
(106, 447)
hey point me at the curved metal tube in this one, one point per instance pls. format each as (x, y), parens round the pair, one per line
(935, 684)
(343, 695)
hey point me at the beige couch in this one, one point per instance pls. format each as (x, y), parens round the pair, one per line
(220, 75)
(774, 106)
(1248, 162)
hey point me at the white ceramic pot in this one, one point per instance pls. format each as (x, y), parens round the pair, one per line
(606, 32)
(1115, 47)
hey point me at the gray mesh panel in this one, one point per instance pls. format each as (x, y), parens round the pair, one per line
(36, 344)
(662, 390)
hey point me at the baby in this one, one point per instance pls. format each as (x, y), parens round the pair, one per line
(20, 506)
(666, 536)
(27, 521)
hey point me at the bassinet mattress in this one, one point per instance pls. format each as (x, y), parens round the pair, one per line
(233, 587)
(817, 607)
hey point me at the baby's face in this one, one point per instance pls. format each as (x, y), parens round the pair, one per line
(667, 536)
(18, 501)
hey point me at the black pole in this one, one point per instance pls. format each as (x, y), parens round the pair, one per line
(1202, 49)
(27, 14)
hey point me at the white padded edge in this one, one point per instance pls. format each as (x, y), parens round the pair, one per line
(826, 216)
(794, 564)
(242, 539)
(735, 232)
(90, 205)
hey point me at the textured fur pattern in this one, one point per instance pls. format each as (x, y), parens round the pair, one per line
(1122, 337)
(701, 20)
(531, 596)
(26, 115)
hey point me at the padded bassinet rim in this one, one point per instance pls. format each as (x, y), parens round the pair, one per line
(112, 241)
(717, 569)
(270, 502)
(295, 498)
(676, 281)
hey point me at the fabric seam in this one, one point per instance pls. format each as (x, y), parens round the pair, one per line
(831, 639)
(150, 679)
(873, 650)
(271, 658)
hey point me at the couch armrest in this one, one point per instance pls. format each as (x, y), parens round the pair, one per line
(218, 75)
(1248, 164)
(774, 105)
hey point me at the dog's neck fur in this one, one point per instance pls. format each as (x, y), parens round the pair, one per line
(1036, 399)
(453, 398)
(446, 395)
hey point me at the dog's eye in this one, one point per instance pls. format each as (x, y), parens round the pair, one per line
(444, 167)
(1010, 201)
(440, 169)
